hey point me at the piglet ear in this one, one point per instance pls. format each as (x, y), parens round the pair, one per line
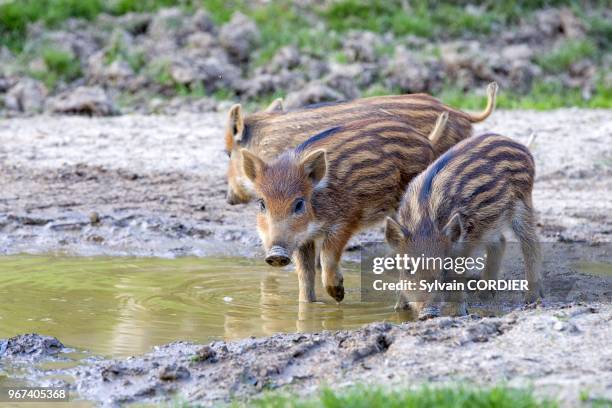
(394, 233)
(276, 106)
(251, 164)
(454, 229)
(235, 125)
(315, 165)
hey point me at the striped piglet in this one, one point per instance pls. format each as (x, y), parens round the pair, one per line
(328, 188)
(464, 201)
(269, 133)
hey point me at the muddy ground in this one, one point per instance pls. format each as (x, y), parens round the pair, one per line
(562, 352)
(156, 184)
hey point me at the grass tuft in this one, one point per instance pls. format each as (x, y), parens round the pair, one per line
(440, 397)
(60, 65)
(543, 96)
(570, 51)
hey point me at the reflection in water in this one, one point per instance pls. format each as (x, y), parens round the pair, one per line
(124, 306)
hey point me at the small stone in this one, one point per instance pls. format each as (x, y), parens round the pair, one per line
(206, 353)
(202, 21)
(239, 36)
(314, 92)
(517, 52)
(27, 95)
(285, 58)
(408, 72)
(361, 46)
(173, 372)
(94, 218)
(166, 24)
(92, 101)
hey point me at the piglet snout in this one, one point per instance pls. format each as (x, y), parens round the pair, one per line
(278, 256)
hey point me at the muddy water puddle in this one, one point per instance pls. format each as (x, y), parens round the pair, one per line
(125, 306)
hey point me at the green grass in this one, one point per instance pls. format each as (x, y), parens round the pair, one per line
(65, 64)
(379, 16)
(600, 29)
(60, 65)
(221, 10)
(594, 402)
(543, 96)
(160, 72)
(570, 51)
(281, 24)
(195, 90)
(118, 50)
(119, 7)
(439, 397)
(15, 15)
(426, 19)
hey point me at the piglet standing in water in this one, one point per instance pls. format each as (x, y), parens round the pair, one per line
(328, 188)
(465, 200)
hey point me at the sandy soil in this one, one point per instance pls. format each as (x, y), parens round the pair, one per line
(157, 185)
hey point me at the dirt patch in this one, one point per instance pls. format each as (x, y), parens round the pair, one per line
(155, 185)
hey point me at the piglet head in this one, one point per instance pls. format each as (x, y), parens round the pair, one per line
(284, 188)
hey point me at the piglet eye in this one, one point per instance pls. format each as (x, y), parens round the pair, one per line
(299, 206)
(262, 205)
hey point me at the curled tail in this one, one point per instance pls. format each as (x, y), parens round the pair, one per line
(438, 128)
(491, 96)
(532, 139)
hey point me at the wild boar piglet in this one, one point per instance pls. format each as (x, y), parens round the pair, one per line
(328, 188)
(269, 133)
(466, 200)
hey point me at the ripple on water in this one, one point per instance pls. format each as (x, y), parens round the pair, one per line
(124, 306)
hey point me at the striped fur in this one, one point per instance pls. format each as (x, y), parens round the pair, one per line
(348, 178)
(467, 197)
(269, 133)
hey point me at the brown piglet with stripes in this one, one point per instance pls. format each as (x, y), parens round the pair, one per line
(464, 201)
(328, 188)
(269, 133)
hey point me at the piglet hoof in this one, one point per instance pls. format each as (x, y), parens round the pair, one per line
(429, 313)
(401, 306)
(337, 292)
(462, 309)
(534, 294)
(532, 297)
